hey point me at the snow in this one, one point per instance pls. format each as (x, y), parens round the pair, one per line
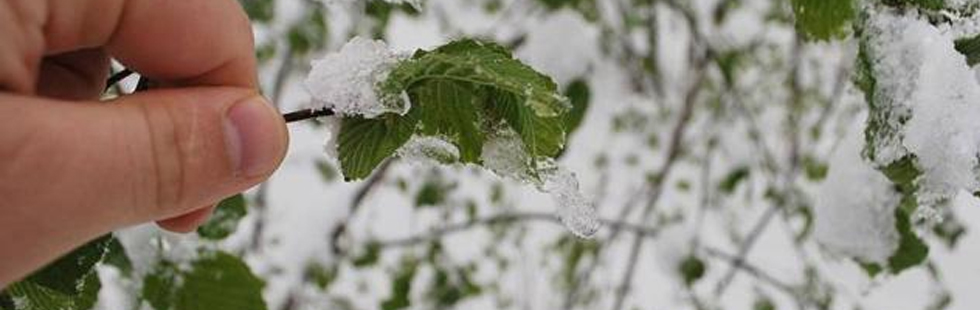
(504, 155)
(428, 150)
(346, 81)
(920, 68)
(855, 205)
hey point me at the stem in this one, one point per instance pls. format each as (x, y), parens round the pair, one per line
(306, 114)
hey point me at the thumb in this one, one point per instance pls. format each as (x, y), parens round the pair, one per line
(143, 157)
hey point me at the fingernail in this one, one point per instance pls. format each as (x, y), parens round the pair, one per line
(254, 137)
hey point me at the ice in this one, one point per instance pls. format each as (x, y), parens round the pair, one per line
(504, 154)
(855, 206)
(920, 69)
(346, 81)
(575, 211)
(428, 150)
(331, 146)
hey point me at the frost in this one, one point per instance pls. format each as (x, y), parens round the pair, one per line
(346, 81)
(920, 71)
(855, 206)
(504, 154)
(428, 150)
(332, 140)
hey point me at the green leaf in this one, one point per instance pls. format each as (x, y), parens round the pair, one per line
(225, 219)
(542, 136)
(969, 47)
(401, 287)
(320, 275)
(449, 287)
(822, 19)
(692, 269)
(763, 303)
(734, 177)
(67, 274)
(327, 171)
(579, 95)
(309, 34)
(259, 10)
(32, 296)
(216, 281)
(479, 64)
(365, 143)
(116, 256)
(911, 250)
(450, 110)
(815, 170)
(372, 252)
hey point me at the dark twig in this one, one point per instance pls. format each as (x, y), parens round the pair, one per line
(306, 114)
(116, 78)
(337, 234)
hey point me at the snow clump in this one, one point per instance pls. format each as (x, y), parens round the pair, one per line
(346, 81)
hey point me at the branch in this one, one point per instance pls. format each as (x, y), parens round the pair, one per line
(509, 217)
(359, 198)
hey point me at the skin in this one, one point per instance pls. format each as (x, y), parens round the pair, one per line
(73, 168)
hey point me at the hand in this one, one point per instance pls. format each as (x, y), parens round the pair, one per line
(73, 168)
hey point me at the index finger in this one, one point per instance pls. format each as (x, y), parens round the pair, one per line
(185, 42)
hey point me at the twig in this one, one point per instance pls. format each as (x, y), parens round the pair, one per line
(356, 203)
(306, 114)
(507, 218)
(673, 153)
(116, 78)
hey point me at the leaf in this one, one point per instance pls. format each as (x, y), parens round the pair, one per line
(911, 250)
(542, 136)
(309, 34)
(28, 295)
(320, 275)
(116, 256)
(225, 219)
(822, 19)
(401, 287)
(450, 110)
(692, 269)
(479, 64)
(970, 48)
(735, 177)
(67, 274)
(372, 252)
(365, 143)
(259, 10)
(216, 281)
(579, 95)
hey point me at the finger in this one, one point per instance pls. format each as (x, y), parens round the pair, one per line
(188, 222)
(78, 75)
(70, 172)
(188, 42)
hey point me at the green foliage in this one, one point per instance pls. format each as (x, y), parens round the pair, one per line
(579, 95)
(970, 48)
(451, 286)
(310, 33)
(401, 286)
(458, 92)
(822, 19)
(225, 219)
(731, 181)
(69, 283)
(320, 275)
(259, 10)
(814, 169)
(365, 143)
(925, 4)
(372, 252)
(692, 269)
(216, 281)
(588, 8)
(911, 250)
(763, 303)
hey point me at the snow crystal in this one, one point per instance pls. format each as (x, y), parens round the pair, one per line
(428, 150)
(919, 68)
(331, 146)
(855, 207)
(505, 155)
(346, 81)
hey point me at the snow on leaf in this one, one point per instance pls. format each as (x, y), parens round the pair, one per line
(822, 19)
(346, 81)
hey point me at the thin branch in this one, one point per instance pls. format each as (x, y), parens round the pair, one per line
(359, 197)
(306, 114)
(451, 229)
(116, 78)
(673, 153)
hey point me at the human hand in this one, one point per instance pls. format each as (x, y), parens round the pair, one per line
(73, 168)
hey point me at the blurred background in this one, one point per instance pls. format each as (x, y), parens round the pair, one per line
(708, 128)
